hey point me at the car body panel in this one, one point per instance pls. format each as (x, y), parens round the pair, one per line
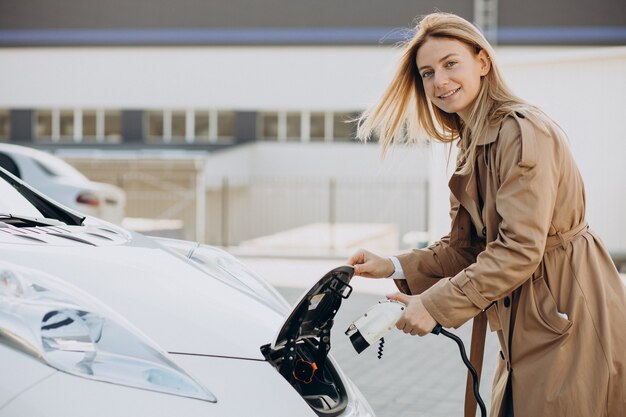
(19, 373)
(128, 280)
(48, 396)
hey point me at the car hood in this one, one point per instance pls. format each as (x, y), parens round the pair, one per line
(164, 295)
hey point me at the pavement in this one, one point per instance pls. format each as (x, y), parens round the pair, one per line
(416, 377)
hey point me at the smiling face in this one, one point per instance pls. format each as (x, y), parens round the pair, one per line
(451, 72)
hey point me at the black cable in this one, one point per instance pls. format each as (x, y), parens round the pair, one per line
(439, 330)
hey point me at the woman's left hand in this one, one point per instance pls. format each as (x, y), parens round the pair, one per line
(416, 319)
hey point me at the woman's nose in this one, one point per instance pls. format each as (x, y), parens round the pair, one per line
(440, 79)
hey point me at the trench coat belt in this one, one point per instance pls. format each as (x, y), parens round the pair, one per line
(562, 239)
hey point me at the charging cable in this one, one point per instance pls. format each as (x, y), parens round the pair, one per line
(440, 330)
(381, 318)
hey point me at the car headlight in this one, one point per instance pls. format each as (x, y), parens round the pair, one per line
(67, 330)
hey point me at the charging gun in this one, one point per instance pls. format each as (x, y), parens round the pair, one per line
(381, 318)
(375, 324)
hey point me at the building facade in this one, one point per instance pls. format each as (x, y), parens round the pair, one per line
(205, 76)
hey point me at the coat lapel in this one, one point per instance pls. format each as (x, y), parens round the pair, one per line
(465, 186)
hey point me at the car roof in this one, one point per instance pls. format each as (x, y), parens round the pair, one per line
(49, 161)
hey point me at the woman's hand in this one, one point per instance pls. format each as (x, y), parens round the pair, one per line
(416, 319)
(369, 265)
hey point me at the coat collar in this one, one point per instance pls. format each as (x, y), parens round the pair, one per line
(491, 135)
(465, 187)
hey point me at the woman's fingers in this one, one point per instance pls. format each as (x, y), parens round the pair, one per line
(416, 320)
(357, 258)
(369, 265)
(401, 297)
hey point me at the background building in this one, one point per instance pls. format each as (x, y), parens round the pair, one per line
(249, 89)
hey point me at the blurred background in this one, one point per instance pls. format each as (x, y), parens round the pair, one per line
(232, 123)
(229, 122)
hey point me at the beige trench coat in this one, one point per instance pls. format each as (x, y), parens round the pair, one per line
(520, 249)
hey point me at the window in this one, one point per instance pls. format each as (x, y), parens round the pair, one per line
(43, 125)
(9, 164)
(317, 129)
(100, 126)
(90, 125)
(155, 125)
(308, 126)
(225, 125)
(281, 126)
(66, 125)
(190, 126)
(112, 126)
(293, 128)
(5, 124)
(343, 127)
(269, 125)
(78, 125)
(177, 127)
(214, 126)
(201, 126)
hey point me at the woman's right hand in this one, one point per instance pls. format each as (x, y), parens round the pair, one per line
(369, 265)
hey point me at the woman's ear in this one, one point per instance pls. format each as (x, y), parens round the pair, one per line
(485, 63)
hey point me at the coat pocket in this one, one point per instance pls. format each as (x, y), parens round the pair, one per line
(547, 309)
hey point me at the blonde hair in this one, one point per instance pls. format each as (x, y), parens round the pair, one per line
(404, 113)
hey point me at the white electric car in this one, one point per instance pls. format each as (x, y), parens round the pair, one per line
(64, 183)
(99, 321)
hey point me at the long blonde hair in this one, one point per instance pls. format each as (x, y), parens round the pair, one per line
(404, 113)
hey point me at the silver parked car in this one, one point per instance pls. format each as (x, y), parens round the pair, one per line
(64, 183)
(96, 320)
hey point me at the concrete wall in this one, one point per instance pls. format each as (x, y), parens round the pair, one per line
(320, 160)
(584, 90)
(245, 78)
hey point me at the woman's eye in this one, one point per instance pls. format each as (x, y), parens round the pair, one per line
(427, 74)
(450, 64)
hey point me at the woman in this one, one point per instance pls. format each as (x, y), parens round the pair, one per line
(519, 246)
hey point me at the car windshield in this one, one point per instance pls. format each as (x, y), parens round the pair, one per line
(56, 167)
(12, 202)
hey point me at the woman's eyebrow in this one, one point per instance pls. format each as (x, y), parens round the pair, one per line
(442, 59)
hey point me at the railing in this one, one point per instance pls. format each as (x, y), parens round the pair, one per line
(245, 209)
(235, 209)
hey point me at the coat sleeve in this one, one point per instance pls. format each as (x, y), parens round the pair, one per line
(528, 168)
(425, 267)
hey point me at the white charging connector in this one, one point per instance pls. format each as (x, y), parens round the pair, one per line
(375, 323)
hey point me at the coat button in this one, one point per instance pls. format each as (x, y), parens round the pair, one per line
(507, 301)
(484, 230)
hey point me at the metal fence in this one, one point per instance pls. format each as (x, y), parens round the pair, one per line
(265, 205)
(233, 209)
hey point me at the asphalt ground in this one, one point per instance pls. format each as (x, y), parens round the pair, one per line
(416, 376)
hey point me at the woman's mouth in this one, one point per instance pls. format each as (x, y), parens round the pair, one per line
(449, 93)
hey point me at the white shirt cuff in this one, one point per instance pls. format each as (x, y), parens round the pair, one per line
(398, 273)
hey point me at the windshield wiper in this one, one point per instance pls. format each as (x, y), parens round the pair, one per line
(27, 220)
(47, 208)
